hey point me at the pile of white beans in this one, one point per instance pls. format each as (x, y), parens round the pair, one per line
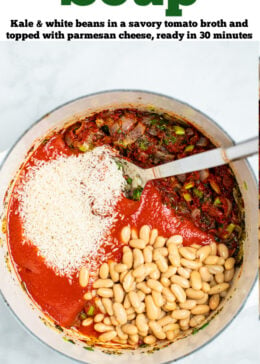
(160, 290)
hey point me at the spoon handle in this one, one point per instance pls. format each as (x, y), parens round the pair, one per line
(212, 158)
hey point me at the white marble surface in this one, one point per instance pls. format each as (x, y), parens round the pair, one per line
(217, 78)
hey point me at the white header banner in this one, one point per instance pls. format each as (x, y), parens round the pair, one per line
(179, 20)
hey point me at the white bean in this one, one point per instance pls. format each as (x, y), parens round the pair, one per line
(105, 292)
(223, 251)
(195, 279)
(187, 254)
(219, 277)
(196, 320)
(158, 298)
(104, 271)
(141, 322)
(99, 327)
(191, 264)
(148, 254)
(103, 283)
(180, 314)
(134, 299)
(99, 317)
(129, 329)
(205, 275)
(203, 252)
(144, 288)
(214, 269)
(149, 340)
(144, 233)
(113, 274)
(161, 263)
(211, 260)
(229, 263)
(118, 293)
(151, 308)
(167, 293)
(87, 322)
(107, 336)
(194, 294)
(188, 305)
(120, 268)
(127, 257)
(184, 272)
(83, 277)
(214, 301)
(137, 243)
(229, 274)
(219, 288)
(200, 310)
(176, 239)
(107, 303)
(120, 313)
(153, 236)
(178, 292)
(125, 234)
(128, 281)
(159, 242)
(183, 282)
(155, 285)
(157, 330)
(213, 247)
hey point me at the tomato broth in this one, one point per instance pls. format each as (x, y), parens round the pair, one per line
(201, 208)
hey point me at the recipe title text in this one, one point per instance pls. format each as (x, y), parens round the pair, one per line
(174, 7)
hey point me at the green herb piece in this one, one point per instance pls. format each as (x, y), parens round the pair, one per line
(89, 348)
(217, 202)
(179, 130)
(154, 122)
(189, 185)
(91, 311)
(143, 346)
(203, 326)
(171, 139)
(197, 193)
(45, 141)
(160, 124)
(189, 148)
(129, 180)
(245, 186)
(195, 331)
(68, 340)
(58, 327)
(137, 193)
(119, 164)
(119, 131)
(143, 144)
(83, 316)
(84, 147)
(161, 127)
(230, 228)
(187, 196)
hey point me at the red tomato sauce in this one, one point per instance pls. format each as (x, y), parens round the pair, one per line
(59, 298)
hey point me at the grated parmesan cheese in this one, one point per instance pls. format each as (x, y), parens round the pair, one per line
(67, 206)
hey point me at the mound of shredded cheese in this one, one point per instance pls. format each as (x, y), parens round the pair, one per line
(67, 206)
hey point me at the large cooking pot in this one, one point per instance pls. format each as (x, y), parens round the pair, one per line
(24, 309)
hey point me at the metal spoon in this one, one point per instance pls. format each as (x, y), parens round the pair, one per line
(212, 158)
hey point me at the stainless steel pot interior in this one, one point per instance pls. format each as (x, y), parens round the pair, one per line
(19, 302)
